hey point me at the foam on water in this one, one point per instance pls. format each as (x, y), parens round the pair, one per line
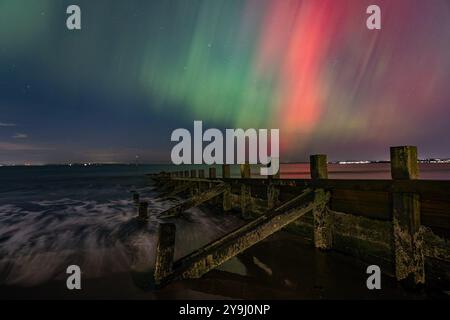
(91, 225)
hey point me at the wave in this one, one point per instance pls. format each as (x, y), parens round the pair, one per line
(41, 238)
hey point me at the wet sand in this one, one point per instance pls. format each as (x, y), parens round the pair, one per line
(281, 267)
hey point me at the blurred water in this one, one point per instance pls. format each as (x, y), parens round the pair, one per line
(54, 216)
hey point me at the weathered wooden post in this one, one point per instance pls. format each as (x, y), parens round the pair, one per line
(201, 175)
(212, 173)
(272, 191)
(226, 204)
(136, 198)
(245, 200)
(143, 210)
(245, 171)
(195, 187)
(273, 194)
(323, 218)
(227, 194)
(245, 196)
(226, 171)
(165, 249)
(409, 257)
(318, 166)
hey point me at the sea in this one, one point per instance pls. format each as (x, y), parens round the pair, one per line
(55, 216)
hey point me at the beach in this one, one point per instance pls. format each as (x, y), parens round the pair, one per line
(55, 216)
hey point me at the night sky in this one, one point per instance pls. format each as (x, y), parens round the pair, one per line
(140, 69)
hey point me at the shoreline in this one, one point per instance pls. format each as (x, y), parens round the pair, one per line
(281, 267)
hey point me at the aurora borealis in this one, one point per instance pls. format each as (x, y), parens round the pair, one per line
(139, 69)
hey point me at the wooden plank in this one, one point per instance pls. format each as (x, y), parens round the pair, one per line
(371, 204)
(441, 187)
(436, 187)
(435, 212)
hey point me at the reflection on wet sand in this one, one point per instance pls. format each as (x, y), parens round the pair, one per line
(297, 271)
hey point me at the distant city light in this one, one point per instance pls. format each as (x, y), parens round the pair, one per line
(354, 162)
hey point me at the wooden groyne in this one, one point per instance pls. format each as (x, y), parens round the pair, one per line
(401, 224)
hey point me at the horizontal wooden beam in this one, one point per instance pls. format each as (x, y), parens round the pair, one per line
(441, 187)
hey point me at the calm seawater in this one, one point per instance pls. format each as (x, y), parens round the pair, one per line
(55, 216)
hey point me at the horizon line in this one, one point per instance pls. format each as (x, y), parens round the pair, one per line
(343, 162)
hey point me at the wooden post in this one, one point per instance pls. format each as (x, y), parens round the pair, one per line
(212, 173)
(245, 171)
(227, 199)
(323, 222)
(164, 251)
(143, 210)
(186, 174)
(227, 194)
(273, 192)
(272, 196)
(318, 166)
(245, 195)
(323, 218)
(201, 175)
(136, 198)
(226, 171)
(404, 164)
(194, 189)
(409, 256)
(245, 200)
